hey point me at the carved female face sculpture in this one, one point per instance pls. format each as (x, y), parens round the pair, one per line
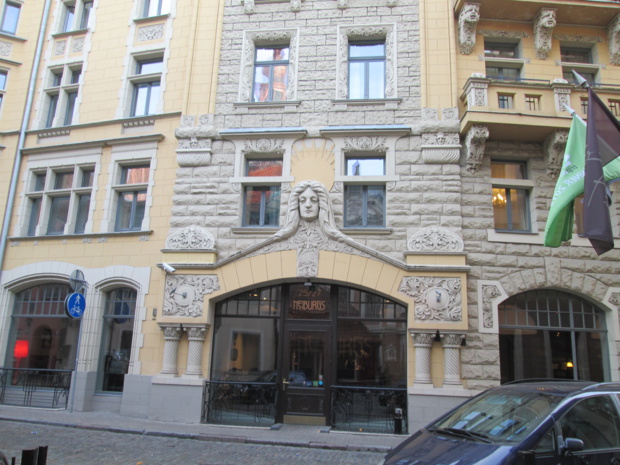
(309, 205)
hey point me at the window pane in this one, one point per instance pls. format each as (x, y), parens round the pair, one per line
(150, 66)
(75, 76)
(271, 54)
(82, 214)
(63, 181)
(87, 177)
(519, 210)
(69, 15)
(356, 80)
(508, 170)
(9, 20)
(365, 166)
(280, 77)
(595, 422)
(71, 98)
(376, 206)
(576, 55)
(366, 50)
(88, 5)
(2, 80)
(39, 182)
(263, 168)
(59, 211)
(51, 111)
(376, 79)
(135, 174)
(153, 102)
(261, 206)
(500, 50)
(130, 212)
(354, 205)
(35, 211)
(261, 83)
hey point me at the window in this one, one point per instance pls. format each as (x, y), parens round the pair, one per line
(131, 192)
(565, 334)
(62, 95)
(67, 24)
(261, 202)
(57, 204)
(576, 55)
(146, 85)
(500, 50)
(532, 102)
(582, 60)
(505, 101)
(3, 76)
(595, 422)
(156, 8)
(578, 214)
(584, 105)
(510, 196)
(614, 107)
(76, 15)
(118, 318)
(364, 199)
(10, 15)
(270, 74)
(503, 73)
(366, 70)
(502, 61)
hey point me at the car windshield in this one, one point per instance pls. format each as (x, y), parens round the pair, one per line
(504, 415)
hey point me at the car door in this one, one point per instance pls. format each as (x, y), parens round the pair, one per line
(594, 421)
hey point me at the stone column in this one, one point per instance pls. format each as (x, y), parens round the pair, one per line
(172, 336)
(451, 343)
(196, 336)
(422, 341)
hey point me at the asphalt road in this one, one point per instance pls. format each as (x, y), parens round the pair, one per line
(72, 446)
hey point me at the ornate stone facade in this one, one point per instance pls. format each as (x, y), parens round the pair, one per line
(468, 21)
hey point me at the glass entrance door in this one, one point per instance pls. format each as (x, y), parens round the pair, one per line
(305, 375)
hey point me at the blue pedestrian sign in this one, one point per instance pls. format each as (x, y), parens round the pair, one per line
(75, 304)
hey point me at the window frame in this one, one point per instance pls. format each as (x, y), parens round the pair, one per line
(136, 189)
(62, 95)
(148, 81)
(503, 64)
(163, 7)
(588, 68)
(13, 30)
(272, 65)
(366, 61)
(523, 185)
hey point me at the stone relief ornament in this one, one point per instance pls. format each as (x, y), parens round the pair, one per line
(561, 94)
(475, 142)
(77, 44)
(554, 148)
(476, 90)
(435, 239)
(248, 7)
(489, 294)
(502, 34)
(295, 5)
(5, 48)
(436, 299)
(191, 238)
(613, 34)
(468, 21)
(184, 294)
(543, 32)
(194, 140)
(59, 47)
(430, 114)
(365, 144)
(264, 146)
(450, 114)
(152, 32)
(441, 148)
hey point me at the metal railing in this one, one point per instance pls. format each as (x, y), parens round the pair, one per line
(369, 409)
(29, 387)
(239, 403)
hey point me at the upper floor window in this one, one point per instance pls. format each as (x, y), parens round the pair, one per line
(59, 200)
(582, 60)
(146, 86)
(367, 70)
(76, 15)
(501, 49)
(155, 8)
(261, 201)
(3, 76)
(364, 201)
(10, 16)
(270, 74)
(510, 200)
(576, 55)
(132, 195)
(61, 95)
(502, 60)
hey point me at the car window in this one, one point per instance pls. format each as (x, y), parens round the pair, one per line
(547, 443)
(595, 421)
(504, 415)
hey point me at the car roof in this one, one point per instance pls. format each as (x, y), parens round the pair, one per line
(562, 386)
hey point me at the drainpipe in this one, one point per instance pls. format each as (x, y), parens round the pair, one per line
(8, 212)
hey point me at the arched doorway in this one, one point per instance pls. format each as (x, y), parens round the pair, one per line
(310, 342)
(552, 334)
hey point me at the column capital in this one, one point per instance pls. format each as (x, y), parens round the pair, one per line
(453, 340)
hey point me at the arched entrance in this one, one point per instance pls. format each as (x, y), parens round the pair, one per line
(301, 347)
(552, 334)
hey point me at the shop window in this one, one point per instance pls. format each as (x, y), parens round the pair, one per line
(10, 17)
(42, 336)
(146, 84)
(270, 74)
(367, 70)
(118, 320)
(59, 200)
(564, 333)
(510, 196)
(132, 195)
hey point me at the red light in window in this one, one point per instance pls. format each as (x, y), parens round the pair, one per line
(21, 349)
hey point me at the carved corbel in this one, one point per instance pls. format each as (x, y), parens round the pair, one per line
(343, 4)
(295, 5)
(194, 140)
(614, 40)
(474, 142)
(555, 145)
(468, 21)
(248, 7)
(543, 31)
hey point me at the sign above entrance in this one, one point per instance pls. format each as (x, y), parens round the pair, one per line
(309, 302)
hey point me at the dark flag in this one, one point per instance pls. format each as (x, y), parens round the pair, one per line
(602, 162)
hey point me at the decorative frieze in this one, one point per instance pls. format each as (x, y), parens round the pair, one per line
(435, 239)
(495, 34)
(544, 23)
(436, 299)
(365, 144)
(5, 48)
(555, 144)
(468, 21)
(441, 148)
(184, 294)
(151, 32)
(264, 146)
(60, 46)
(475, 142)
(191, 238)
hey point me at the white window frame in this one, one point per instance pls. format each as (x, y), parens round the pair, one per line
(13, 4)
(519, 184)
(51, 164)
(122, 155)
(5, 73)
(80, 15)
(134, 79)
(367, 32)
(266, 38)
(61, 88)
(160, 7)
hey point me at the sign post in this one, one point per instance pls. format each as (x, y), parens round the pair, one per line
(75, 305)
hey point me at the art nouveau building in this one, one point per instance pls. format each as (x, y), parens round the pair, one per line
(355, 211)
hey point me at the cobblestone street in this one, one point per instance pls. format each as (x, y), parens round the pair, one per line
(72, 446)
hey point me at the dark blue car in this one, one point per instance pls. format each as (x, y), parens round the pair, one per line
(524, 423)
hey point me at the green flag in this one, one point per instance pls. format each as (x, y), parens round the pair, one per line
(569, 186)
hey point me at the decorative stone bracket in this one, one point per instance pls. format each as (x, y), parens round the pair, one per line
(490, 295)
(555, 145)
(468, 21)
(194, 140)
(543, 32)
(475, 142)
